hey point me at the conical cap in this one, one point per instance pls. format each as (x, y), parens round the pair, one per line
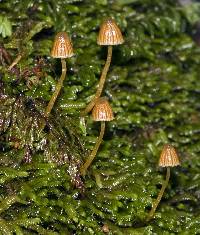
(168, 157)
(62, 47)
(102, 110)
(109, 33)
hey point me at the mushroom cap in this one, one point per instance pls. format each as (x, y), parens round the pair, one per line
(109, 33)
(62, 47)
(102, 110)
(168, 157)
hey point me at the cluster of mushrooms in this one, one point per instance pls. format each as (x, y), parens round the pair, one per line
(109, 35)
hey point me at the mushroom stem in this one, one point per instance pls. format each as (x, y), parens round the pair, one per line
(94, 151)
(101, 83)
(16, 61)
(164, 185)
(57, 89)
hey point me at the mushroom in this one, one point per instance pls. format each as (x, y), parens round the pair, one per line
(62, 48)
(102, 112)
(109, 35)
(168, 158)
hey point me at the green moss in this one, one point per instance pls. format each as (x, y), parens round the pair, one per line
(153, 87)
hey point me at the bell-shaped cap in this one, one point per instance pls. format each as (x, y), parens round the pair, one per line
(168, 157)
(109, 33)
(62, 47)
(102, 110)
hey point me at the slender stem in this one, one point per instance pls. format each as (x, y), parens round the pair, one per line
(57, 89)
(16, 60)
(6, 55)
(94, 151)
(165, 183)
(101, 83)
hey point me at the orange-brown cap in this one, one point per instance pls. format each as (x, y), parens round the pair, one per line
(109, 33)
(168, 157)
(62, 47)
(102, 110)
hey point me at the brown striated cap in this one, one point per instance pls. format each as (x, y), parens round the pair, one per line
(62, 47)
(109, 33)
(102, 110)
(105, 228)
(168, 157)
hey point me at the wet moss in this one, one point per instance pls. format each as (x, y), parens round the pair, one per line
(154, 90)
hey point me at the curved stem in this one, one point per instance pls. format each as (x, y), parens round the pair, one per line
(101, 83)
(57, 89)
(165, 183)
(94, 151)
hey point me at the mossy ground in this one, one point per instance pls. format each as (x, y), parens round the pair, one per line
(154, 89)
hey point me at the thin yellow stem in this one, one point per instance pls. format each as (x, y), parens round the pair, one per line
(94, 151)
(165, 183)
(16, 61)
(101, 83)
(57, 89)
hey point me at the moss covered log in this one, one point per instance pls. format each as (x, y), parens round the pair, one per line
(153, 87)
